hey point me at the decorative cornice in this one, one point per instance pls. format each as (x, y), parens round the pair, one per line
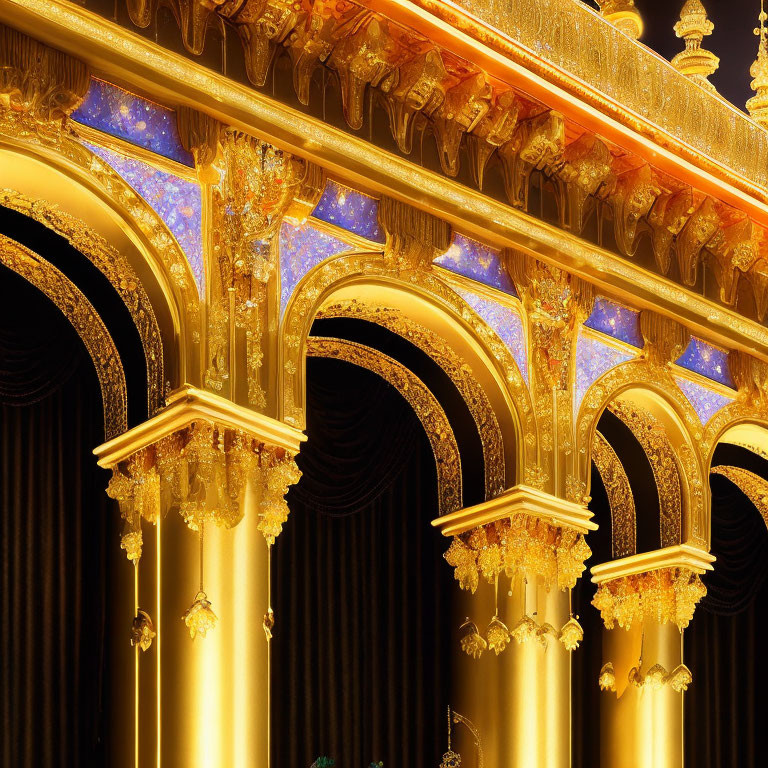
(187, 405)
(521, 499)
(680, 556)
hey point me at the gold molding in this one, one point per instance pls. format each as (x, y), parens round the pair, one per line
(520, 499)
(687, 556)
(425, 405)
(86, 322)
(188, 404)
(753, 486)
(658, 450)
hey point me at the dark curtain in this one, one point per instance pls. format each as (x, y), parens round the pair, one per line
(725, 645)
(362, 595)
(53, 525)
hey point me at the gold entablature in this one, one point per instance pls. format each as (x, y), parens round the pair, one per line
(425, 405)
(84, 319)
(418, 80)
(458, 371)
(116, 269)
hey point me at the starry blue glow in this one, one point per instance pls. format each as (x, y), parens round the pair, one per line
(594, 357)
(350, 210)
(615, 320)
(120, 113)
(177, 201)
(301, 249)
(705, 401)
(505, 321)
(477, 261)
(708, 361)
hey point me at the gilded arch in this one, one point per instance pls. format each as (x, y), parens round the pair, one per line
(59, 171)
(369, 270)
(84, 319)
(117, 270)
(458, 371)
(657, 384)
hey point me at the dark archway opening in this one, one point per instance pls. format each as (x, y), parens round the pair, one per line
(361, 661)
(56, 535)
(726, 708)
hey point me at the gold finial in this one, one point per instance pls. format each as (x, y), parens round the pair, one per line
(757, 106)
(695, 62)
(623, 15)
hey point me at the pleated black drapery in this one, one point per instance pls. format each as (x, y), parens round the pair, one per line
(53, 531)
(362, 595)
(725, 645)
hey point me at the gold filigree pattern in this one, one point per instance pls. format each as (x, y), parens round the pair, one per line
(84, 319)
(116, 269)
(754, 487)
(459, 372)
(620, 498)
(521, 545)
(202, 470)
(661, 456)
(424, 403)
(41, 82)
(315, 288)
(257, 185)
(664, 595)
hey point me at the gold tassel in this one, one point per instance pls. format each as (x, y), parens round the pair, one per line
(607, 679)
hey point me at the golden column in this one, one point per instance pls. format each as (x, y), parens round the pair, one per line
(517, 556)
(201, 491)
(652, 598)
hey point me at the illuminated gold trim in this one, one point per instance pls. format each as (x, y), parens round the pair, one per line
(425, 405)
(754, 487)
(86, 322)
(184, 406)
(694, 558)
(520, 499)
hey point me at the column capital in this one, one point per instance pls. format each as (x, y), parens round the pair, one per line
(687, 556)
(521, 499)
(187, 405)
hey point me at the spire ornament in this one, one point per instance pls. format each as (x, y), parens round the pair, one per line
(757, 106)
(695, 62)
(623, 15)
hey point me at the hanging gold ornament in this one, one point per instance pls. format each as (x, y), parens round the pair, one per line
(199, 617)
(450, 758)
(497, 635)
(607, 679)
(142, 630)
(680, 678)
(524, 630)
(472, 642)
(571, 634)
